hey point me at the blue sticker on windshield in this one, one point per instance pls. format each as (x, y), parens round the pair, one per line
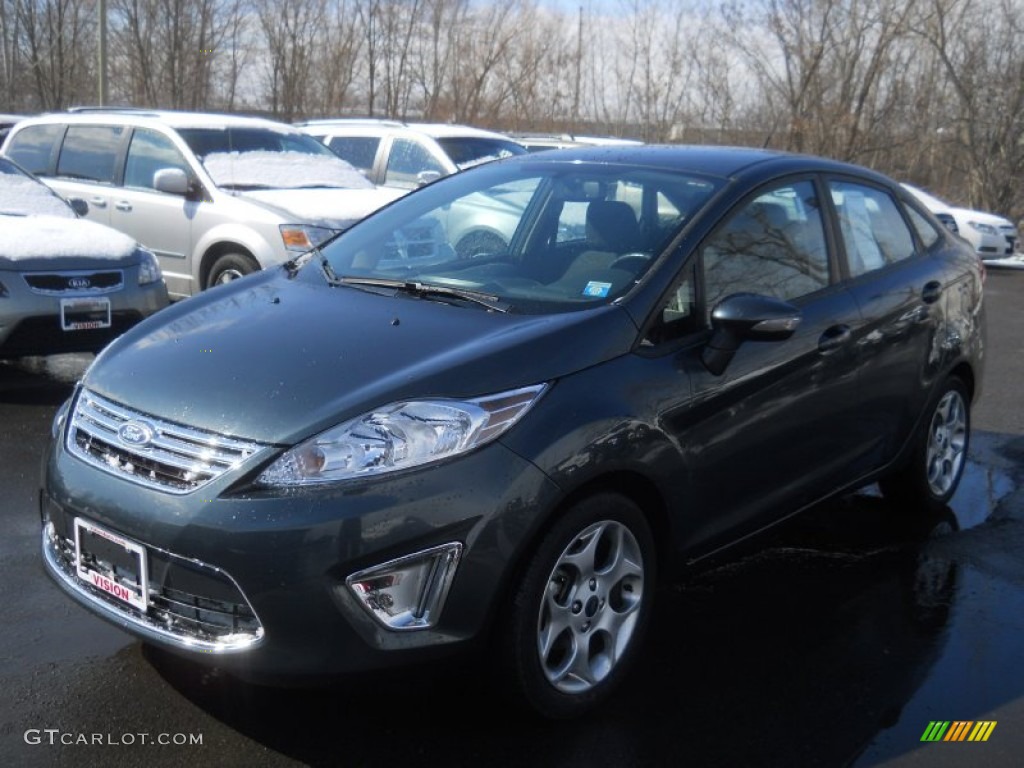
(597, 290)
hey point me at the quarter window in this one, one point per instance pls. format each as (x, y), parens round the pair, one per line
(32, 147)
(360, 151)
(90, 152)
(874, 232)
(150, 152)
(925, 229)
(773, 246)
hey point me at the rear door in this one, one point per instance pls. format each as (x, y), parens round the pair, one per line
(89, 166)
(901, 290)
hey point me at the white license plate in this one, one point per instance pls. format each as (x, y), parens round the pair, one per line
(83, 314)
(111, 563)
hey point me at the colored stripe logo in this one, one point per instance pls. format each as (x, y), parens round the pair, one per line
(958, 730)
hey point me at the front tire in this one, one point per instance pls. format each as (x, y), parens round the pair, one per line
(581, 609)
(230, 267)
(938, 455)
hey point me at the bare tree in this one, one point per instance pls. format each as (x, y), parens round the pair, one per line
(984, 69)
(293, 33)
(55, 40)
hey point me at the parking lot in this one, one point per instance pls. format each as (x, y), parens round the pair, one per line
(835, 640)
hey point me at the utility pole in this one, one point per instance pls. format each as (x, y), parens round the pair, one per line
(102, 63)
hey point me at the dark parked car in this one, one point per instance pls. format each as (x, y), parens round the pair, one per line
(66, 284)
(375, 454)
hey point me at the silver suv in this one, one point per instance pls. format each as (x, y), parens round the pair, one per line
(213, 196)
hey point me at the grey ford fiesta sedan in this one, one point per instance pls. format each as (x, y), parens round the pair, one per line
(386, 450)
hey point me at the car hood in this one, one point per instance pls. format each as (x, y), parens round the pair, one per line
(328, 207)
(47, 243)
(982, 217)
(276, 358)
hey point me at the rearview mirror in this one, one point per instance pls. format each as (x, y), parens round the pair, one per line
(746, 317)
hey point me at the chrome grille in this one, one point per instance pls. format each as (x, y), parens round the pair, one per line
(77, 282)
(195, 621)
(167, 456)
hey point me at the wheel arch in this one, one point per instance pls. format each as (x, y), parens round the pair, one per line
(217, 250)
(636, 487)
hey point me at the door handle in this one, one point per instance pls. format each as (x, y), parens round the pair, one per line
(99, 202)
(931, 292)
(833, 338)
(123, 205)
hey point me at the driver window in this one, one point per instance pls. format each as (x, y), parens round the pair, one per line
(148, 153)
(407, 160)
(773, 245)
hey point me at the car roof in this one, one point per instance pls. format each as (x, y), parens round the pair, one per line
(171, 118)
(723, 162)
(434, 130)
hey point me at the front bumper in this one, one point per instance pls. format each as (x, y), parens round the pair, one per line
(258, 578)
(30, 321)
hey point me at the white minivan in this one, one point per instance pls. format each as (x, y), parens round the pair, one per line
(214, 196)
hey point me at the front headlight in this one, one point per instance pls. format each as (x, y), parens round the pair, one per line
(985, 229)
(400, 436)
(149, 268)
(304, 237)
(59, 418)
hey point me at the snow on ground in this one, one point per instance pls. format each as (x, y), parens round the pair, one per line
(1011, 262)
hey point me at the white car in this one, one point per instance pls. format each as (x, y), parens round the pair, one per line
(215, 197)
(408, 155)
(993, 237)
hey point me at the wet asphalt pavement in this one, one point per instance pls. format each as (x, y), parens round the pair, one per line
(832, 641)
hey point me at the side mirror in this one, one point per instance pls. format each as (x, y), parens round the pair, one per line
(746, 317)
(427, 177)
(79, 206)
(173, 181)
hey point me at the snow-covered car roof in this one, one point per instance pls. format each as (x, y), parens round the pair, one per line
(24, 196)
(434, 130)
(170, 118)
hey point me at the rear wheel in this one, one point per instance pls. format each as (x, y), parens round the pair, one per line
(582, 608)
(939, 453)
(480, 244)
(229, 267)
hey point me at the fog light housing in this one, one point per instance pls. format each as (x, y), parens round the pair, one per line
(408, 593)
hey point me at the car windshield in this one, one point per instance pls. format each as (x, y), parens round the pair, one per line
(21, 195)
(467, 151)
(262, 158)
(534, 237)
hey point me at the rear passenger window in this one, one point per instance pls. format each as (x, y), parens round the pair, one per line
(90, 152)
(773, 246)
(925, 229)
(32, 147)
(150, 152)
(874, 232)
(359, 151)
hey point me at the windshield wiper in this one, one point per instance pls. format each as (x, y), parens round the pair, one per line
(429, 290)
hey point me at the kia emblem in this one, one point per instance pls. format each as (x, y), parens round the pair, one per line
(79, 282)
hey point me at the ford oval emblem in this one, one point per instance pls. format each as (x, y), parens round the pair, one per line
(79, 282)
(137, 434)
